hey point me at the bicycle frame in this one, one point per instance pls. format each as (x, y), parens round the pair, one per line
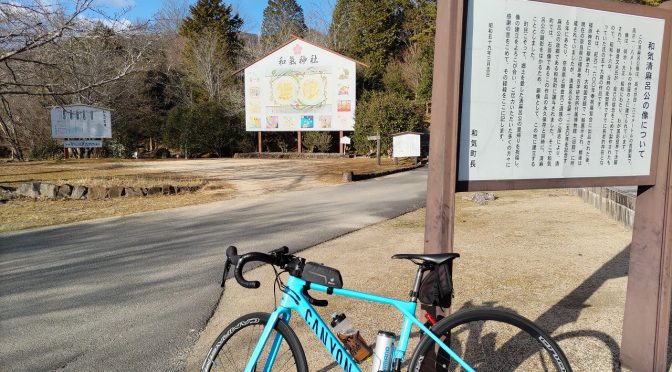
(294, 300)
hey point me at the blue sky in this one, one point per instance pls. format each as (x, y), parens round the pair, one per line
(316, 12)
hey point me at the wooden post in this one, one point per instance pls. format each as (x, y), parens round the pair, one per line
(440, 213)
(66, 153)
(259, 141)
(340, 144)
(378, 149)
(647, 304)
(298, 137)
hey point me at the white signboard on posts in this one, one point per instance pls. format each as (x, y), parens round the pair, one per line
(300, 87)
(80, 121)
(406, 145)
(558, 91)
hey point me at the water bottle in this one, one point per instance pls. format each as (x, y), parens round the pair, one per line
(350, 337)
(384, 352)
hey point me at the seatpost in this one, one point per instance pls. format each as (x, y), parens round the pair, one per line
(418, 281)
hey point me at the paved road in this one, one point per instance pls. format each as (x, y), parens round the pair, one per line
(130, 294)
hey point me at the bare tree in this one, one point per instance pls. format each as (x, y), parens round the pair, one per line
(209, 66)
(169, 18)
(60, 55)
(411, 67)
(318, 19)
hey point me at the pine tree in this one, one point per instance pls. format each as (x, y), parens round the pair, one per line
(368, 30)
(214, 17)
(282, 18)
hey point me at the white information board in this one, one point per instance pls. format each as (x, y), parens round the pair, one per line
(300, 87)
(555, 91)
(406, 145)
(80, 121)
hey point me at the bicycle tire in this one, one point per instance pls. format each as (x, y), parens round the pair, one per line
(489, 340)
(234, 346)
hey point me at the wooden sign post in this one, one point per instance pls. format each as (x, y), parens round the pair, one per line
(442, 178)
(647, 306)
(561, 93)
(298, 141)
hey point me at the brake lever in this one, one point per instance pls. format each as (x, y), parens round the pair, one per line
(231, 259)
(227, 267)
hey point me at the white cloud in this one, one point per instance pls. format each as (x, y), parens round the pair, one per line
(118, 25)
(115, 3)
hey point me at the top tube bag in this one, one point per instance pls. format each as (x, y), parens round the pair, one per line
(437, 286)
(321, 274)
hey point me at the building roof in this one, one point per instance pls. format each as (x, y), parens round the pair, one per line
(292, 39)
(80, 104)
(402, 133)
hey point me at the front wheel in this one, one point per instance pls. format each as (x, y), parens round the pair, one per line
(234, 346)
(489, 340)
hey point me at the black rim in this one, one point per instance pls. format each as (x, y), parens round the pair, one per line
(490, 340)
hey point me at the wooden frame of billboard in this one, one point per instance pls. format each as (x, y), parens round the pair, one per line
(647, 308)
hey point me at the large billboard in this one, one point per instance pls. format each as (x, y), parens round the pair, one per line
(554, 91)
(80, 121)
(300, 87)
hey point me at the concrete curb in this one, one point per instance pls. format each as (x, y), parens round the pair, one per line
(351, 176)
(616, 204)
(288, 155)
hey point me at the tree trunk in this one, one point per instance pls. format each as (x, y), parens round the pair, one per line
(8, 129)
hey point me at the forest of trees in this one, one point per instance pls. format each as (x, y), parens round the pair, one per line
(171, 82)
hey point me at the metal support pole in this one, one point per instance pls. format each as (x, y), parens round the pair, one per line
(259, 141)
(647, 304)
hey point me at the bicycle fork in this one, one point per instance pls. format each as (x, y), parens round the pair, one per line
(277, 316)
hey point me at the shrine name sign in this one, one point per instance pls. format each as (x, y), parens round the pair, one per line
(560, 94)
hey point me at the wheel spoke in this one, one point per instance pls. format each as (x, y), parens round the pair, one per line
(489, 340)
(242, 337)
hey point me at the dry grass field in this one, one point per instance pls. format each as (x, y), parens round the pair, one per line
(221, 179)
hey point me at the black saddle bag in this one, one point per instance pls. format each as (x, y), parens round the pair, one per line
(320, 274)
(437, 286)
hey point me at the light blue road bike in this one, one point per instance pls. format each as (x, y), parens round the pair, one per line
(486, 339)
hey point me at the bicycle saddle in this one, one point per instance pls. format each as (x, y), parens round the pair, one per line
(436, 259)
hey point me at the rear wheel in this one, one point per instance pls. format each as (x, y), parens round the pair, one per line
(489, 340)
(234, 346)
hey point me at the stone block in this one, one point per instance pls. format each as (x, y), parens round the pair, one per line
(64, 191)
(29, 189)
(133, 192)
(7, 193)
(115, 192)
(48, 190)
(154, 190)
(78, 192)
(168, 189)
(5, 188)
(97, 193)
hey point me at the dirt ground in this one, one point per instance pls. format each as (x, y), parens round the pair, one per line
(544, 254)
(223, 179)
